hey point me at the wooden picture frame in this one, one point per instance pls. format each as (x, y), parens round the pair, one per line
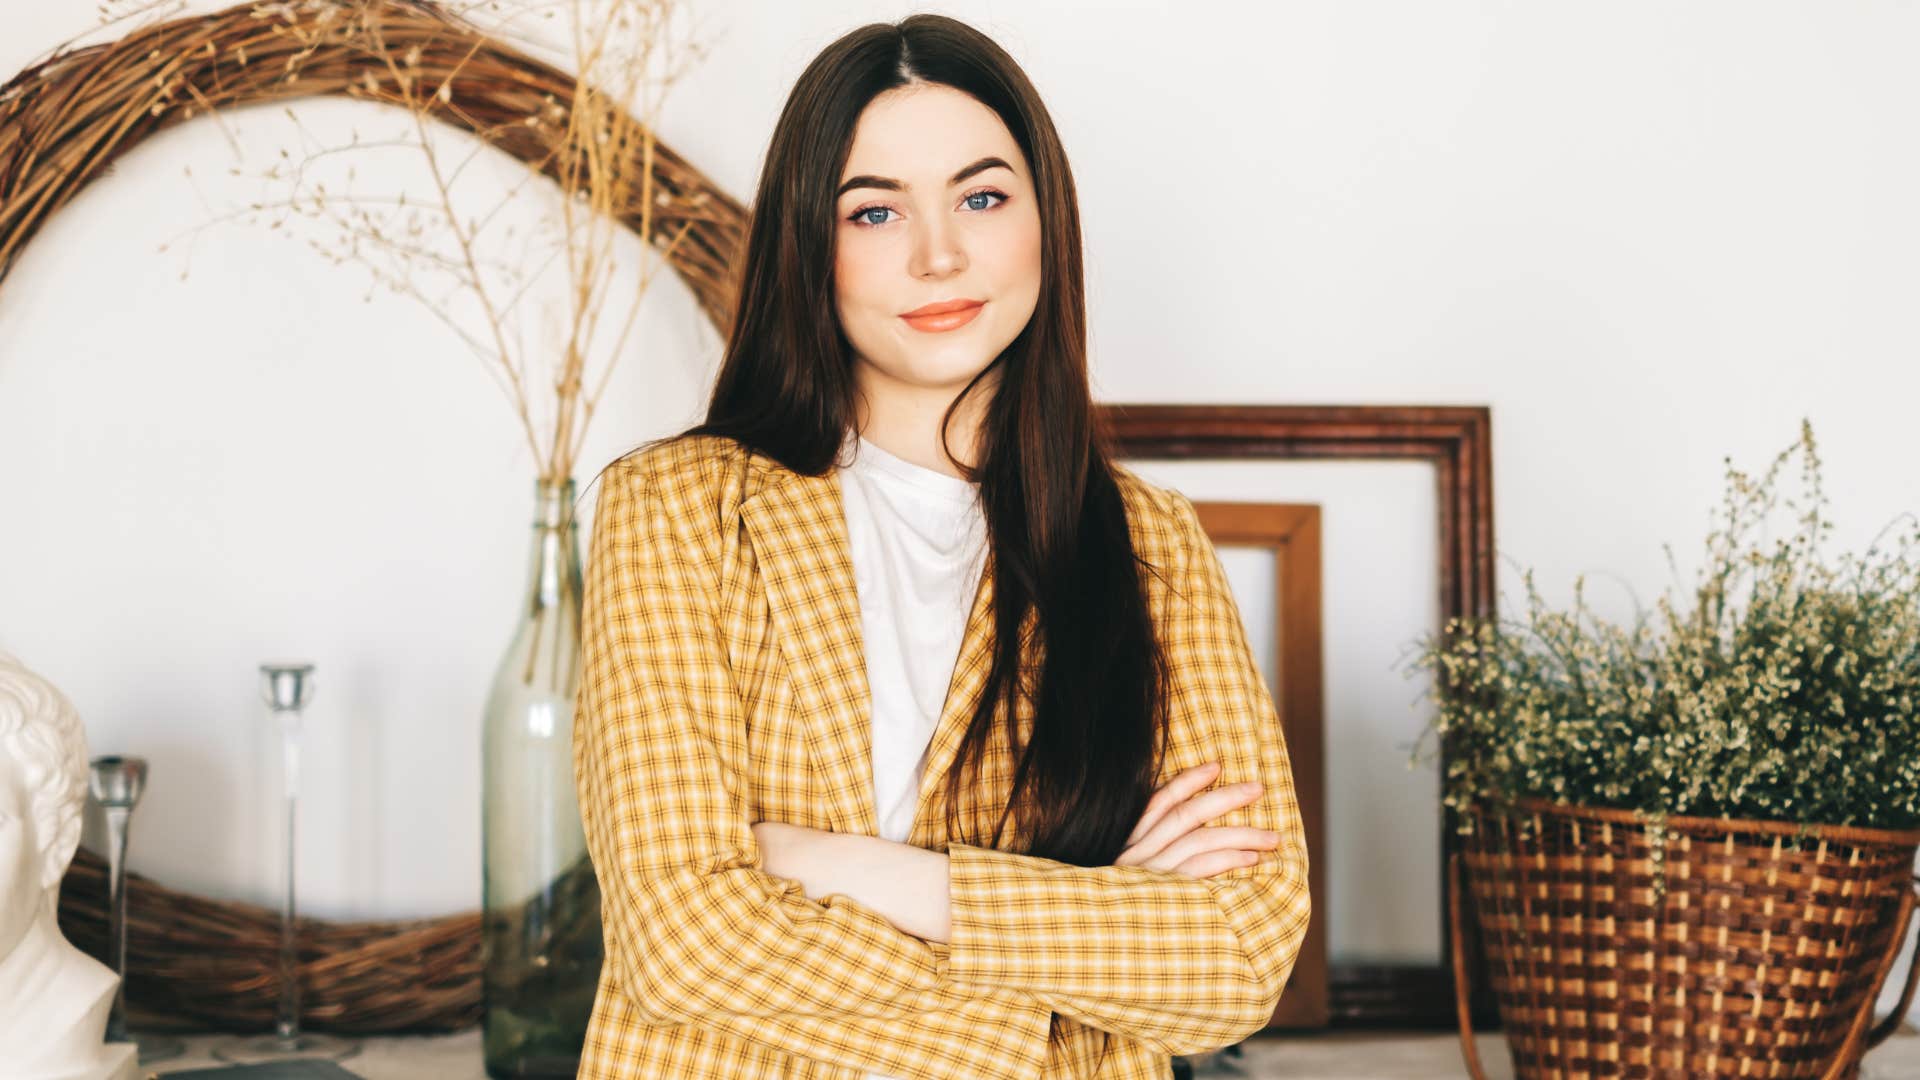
(1292, 533)
(1457, 442)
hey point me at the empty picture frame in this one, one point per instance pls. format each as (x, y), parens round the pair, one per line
(1285, 540)
(1429, 544)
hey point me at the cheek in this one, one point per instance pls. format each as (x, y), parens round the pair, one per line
(1018, 253)
(856, 267)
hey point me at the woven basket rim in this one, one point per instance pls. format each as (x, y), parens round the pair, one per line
(1846, 834)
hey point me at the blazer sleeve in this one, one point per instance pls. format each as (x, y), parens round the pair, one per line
(1183, 964)
(703, 931)
(981, 1034)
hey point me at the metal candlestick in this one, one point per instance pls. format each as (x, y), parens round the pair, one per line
(117, 784)
(287, 688)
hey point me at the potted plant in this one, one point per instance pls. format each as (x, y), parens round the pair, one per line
(1688, 845)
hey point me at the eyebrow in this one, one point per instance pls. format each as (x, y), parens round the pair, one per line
(887, 184)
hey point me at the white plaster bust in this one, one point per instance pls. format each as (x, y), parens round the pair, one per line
(54, 999)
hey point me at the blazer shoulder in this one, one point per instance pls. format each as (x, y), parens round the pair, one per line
(1162, 520)
(1140, 491)
(680, 463)
(697, 479)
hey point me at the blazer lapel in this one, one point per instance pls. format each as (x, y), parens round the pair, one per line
(799, 532)
(799, 541)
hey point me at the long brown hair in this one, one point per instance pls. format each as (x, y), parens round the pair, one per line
(1057, 526)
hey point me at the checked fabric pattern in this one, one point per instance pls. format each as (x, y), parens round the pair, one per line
(724, 683)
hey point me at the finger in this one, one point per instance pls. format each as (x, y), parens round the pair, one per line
(1196, 812)
(1172, 793)
(1217, 862)
(1169, 794)
(1208, 838)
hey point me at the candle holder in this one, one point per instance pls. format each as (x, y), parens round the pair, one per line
(287, 688)
(117, 784)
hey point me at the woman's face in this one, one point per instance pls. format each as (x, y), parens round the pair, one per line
(935, 204)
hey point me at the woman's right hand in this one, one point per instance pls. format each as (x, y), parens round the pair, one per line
(1173, 834)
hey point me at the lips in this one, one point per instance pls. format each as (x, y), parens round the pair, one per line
(944, 315)
(942, 306)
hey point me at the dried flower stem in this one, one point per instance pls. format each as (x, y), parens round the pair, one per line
(594, 148)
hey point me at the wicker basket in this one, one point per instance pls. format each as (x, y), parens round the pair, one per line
(1762, 957)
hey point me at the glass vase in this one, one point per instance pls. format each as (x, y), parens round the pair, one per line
(540, 908)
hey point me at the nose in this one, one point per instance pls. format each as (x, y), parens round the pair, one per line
(937, 248)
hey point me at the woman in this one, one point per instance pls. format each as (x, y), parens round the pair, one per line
(903, 704)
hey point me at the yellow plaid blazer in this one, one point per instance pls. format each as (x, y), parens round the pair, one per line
(724, 683)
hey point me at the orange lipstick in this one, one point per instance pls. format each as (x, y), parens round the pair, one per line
(943, 315)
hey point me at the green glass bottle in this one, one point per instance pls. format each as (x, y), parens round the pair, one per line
(540, 909)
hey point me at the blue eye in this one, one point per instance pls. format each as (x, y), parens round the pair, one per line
(860, 217)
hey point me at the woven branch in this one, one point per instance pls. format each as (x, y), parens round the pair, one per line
(65, 120)
(195, 963)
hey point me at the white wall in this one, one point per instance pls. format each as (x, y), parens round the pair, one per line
(1647, 235)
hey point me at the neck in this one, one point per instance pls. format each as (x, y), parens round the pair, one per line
(904, 420)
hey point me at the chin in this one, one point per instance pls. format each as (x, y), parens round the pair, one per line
(956, 374)
(941, 369)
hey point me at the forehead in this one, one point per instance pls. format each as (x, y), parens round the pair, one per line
(922, 133)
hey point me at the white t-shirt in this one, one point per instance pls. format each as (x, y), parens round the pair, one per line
(918, 543)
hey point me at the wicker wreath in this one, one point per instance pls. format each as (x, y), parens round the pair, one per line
(201, 963)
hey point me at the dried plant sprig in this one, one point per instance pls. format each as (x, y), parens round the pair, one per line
(594, 171)
(1788, 691)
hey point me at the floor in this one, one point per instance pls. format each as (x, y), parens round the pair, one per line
(1330, 1056)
